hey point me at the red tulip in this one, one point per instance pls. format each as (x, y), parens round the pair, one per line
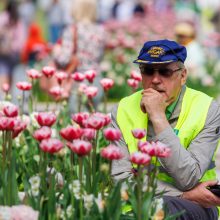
(90, 75)
(24, 86)
(46, 118)
(133, 83)
(111, 152)
(139, 133)
(6, 123)
(106, 117)
(140, 158)
(80, 147)
(94, 122)
(136, 75)
(11, 111)
(91, 91)
(107, 83)
(89, 133)
(82, 88)
(61, 76)
(112, 134)
(80, 117)
(56, 91)
(48, 71)
(51, 145)
(42, 133)
(77, 76)
(157, 149)
(19, 126)
(70, 133)
(33, 74)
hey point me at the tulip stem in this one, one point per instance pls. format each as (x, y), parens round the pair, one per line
(91, 106)
(105, 102)
(81, 186)
(139, 193)
(94, 159)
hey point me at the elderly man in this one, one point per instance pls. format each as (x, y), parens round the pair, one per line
(186, 120)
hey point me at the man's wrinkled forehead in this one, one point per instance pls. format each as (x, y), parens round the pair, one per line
(159, 66)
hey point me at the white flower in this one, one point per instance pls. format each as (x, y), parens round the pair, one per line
(35, 182)
(88, 201)
(99, 202)
(69, 211)
(75, 188)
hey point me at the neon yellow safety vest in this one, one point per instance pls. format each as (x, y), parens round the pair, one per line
(191, 121)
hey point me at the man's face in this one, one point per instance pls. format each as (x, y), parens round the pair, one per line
(167, 79)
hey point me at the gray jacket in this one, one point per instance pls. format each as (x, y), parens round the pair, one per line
(186, 166)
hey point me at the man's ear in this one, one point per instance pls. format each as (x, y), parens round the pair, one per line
(184, 76)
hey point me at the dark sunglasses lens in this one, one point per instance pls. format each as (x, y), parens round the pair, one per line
(165, 72)
(148, 71)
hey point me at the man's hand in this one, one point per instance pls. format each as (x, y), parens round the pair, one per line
(201, 195)
(154, 104)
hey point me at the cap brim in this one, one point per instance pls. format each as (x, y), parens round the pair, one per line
(152, 62)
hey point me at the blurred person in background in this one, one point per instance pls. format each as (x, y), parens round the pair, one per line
(195, 62)
(27, 11)
(35, 47)
(55, 17)
(12, 37)
(85, 38)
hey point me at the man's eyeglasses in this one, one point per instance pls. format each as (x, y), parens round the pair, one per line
(164, 72)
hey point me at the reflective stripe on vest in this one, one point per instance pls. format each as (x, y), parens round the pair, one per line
(191, 121)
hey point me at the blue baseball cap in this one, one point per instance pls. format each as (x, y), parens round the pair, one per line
(161, 51)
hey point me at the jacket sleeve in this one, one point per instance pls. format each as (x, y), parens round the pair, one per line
(187, 166)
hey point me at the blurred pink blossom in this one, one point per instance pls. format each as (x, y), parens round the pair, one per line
(51, 145)
(107, 83)
(77, 76)
(111, 152)
(33, 73)
(133, 83)
(61, 75)
(19, 126)
(42, 133)
(89, 133)
(46, 118)
(48, 71)
(80, 117)
(91, 91)
(24, 86)
(138, 133)
(80, 147)
(71, 132)
(140, 158)
(5, 87)
(90, 75)
(112, 134)
(136, 75)
(10, 111)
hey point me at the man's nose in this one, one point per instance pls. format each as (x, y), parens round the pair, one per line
(156, 78)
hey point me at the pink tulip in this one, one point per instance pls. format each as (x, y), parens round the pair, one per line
(24, 86)
(48, 71)
(136, 75)
(77, 76)
(112, 134)
(70, 133)
(19, 126)
(6, 123)
(133, 83)
(139, 133)
(94, 122)
(56, 91)
(106, 118)
(82, 88)
(10, 111)
(42, 133)
(157, 149)
(140, 158)
(61, 76)
(51, 145)
(5, 87)
(46, 118)
(80, 117)
(90, 75)
(33, 74)
(80, 147)
(111, 152)
(91, 91)
(107, 83)
(89, 134)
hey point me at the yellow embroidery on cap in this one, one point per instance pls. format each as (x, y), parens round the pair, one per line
(156, 51)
